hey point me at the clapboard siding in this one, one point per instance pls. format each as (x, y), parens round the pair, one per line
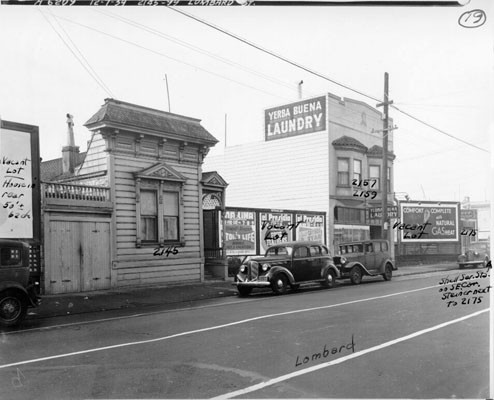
(96, 157)
(302, 159)
(143, 279)
(138, 266)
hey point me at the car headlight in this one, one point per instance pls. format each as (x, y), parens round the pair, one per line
(343, 260)
(265, 267)
(243, 268)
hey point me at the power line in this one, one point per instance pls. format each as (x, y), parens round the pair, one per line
(294, 63)
(439, 130)
(190, 46)
(169, 57)
(82, 55)
(249, 43)
(101, 84)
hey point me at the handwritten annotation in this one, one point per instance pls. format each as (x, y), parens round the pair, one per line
(464, 289)
(301, 360)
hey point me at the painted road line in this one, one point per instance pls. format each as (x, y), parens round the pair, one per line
(308, 370)
(244, 321)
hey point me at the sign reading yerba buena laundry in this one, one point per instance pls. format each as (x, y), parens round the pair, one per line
(294, 119)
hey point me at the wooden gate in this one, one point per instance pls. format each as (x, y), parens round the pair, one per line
(77, 254)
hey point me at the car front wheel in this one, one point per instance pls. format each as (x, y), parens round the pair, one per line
(279, 283)
(388, 272)
(329, 279)
(356, 275)
(13, 308)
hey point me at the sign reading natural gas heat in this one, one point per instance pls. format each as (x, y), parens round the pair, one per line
(428, 222)
(294, 119)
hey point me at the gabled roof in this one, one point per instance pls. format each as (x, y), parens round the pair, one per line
(377, 151)
(52, 170)
(161, 171)
(349, 143)
(119, 114)
(212, 178)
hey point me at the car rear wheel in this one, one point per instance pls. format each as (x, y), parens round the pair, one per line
(388, 272)
(13, 308)
(279, 283)
(329, 279)
(462, 266)
(356, 275)
(244, 291)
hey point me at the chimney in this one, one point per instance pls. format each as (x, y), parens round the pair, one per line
(70, 153)
(300, 90)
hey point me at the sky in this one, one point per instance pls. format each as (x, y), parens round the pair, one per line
(439, 72)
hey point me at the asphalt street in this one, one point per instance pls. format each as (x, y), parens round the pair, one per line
(398, 339)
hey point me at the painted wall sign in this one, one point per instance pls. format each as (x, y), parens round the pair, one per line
(294, 119)
(428, 222)
(19, 181)
(310, 227)
(240, 232)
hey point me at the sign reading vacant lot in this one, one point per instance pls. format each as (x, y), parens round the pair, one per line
(19, 181)
(294, 119)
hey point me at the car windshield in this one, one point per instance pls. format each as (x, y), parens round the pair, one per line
(279, 251)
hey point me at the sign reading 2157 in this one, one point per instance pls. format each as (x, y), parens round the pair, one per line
(294, 119)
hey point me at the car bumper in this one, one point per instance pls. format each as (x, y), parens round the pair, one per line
(260, 282)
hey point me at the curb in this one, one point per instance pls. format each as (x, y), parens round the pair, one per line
(152, 296)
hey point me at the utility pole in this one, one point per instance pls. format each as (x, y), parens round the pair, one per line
(384, 173)
(167, 93)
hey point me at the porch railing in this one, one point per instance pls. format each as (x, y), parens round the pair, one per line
(75, 192)
(213, 252)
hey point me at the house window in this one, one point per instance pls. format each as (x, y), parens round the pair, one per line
(375, 173)
(159, 213)
(357, 170)
(343, 172)
(149, 216)
(170, 216)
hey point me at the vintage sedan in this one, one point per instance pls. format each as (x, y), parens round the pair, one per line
(369, 257)
(476, 255)
(285, 265)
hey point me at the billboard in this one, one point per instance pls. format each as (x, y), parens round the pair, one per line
(310, 227)
(240, 232)
(19, 181)
(428, 222)
(294, 119)
(274, 228)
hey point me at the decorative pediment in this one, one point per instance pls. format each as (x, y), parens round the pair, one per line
(213, 179)
(161, 171)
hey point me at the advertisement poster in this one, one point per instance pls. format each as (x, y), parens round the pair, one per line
(16, 185)
(274, 228)
(294, 119)
(310, 227)
(240, 232)
(429, 222)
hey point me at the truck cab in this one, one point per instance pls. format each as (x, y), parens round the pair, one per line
(17, 291)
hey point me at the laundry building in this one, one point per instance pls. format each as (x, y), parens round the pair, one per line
(324, 153)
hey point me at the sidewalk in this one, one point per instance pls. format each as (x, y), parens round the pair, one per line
(137, 298)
